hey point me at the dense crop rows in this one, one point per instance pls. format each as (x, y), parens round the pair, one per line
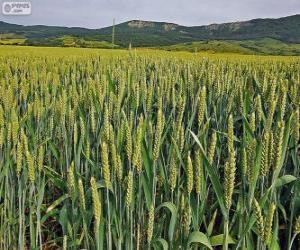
(144, 151)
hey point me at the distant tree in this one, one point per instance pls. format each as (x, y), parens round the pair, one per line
(113, 34)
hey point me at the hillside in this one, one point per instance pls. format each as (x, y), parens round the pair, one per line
(284, 32)
(144, 33)
(261, 46)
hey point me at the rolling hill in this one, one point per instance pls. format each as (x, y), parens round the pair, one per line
(270, 36)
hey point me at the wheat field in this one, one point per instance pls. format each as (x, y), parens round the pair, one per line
(103, 149)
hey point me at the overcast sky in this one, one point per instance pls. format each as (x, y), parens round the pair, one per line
(100, 13)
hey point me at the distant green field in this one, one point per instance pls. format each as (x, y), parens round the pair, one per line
(11, 39)
(63, 41)
(16, 41)
(57, 51)
(70, 41)
(72, 52)
(266, 46)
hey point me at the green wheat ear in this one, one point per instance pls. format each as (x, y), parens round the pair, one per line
(71, 180)
(65, 242)
(258, 109)
(81, 194)
(137, 155)
(296, 125)
(265, 153)
(212, 147)
(96, 203)
(251, 148)
(75, 134)
(201, 106)
(150, 224)
(82, 128)
(128, 141)
(297, 225)
(158, 134)
(105, 164)
(19, 158)
(271, 153)
(1, 137)
(181, 138)
(278, 145)
(119, 169)
(129, 190)
(259, 219)
(173, 173)
(269, 223)
(8, 134)
(190, 175)
(14, 126)
(245, 168)
(31, 167)
(92, 119)
(186, 219)
(230, 166)
(252, 122)
(40, 160)
(198, 172)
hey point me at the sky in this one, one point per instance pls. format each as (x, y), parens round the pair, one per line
(100, 13)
